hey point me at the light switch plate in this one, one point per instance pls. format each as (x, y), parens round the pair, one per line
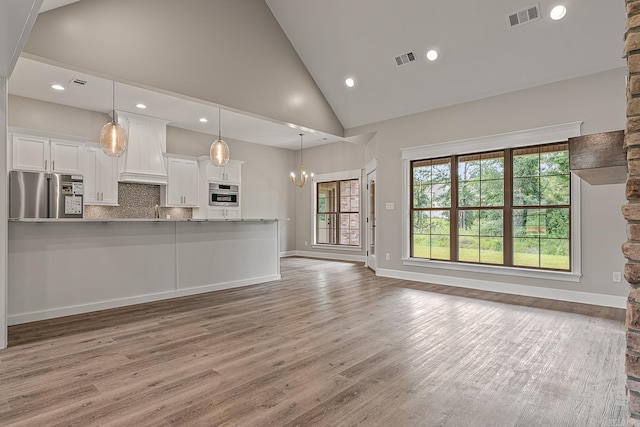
(390, 206)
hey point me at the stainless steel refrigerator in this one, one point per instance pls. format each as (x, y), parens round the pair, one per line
(45, 195)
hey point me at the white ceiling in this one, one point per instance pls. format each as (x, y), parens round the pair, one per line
(480, 56)
(54, 4)
(32, 79)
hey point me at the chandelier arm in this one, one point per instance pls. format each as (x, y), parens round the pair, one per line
(303, 175)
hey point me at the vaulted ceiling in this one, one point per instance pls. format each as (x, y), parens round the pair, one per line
(480, 54)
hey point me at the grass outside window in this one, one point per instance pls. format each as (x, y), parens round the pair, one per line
(510, 207)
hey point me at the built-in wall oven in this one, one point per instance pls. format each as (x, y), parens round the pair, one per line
(223, 195)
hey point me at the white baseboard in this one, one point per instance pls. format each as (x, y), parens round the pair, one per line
(328, 255)
(286, 254)
(509, 288)
(15, 319)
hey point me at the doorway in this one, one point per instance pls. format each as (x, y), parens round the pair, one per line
(371, 220)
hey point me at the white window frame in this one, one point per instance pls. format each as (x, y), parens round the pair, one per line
(523, 138)
(335, 176)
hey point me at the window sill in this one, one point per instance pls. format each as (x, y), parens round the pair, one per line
(337, 247)
(495, 269)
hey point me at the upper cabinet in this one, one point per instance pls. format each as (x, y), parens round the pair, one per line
(100, 178)
(39, 154)
(229, 173)
(182, 183)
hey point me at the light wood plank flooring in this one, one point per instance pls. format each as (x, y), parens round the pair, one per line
(328, 345)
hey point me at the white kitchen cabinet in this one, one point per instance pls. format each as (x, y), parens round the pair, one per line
(41, 154)
(100, 178)
(209, 174)
(229, 173)
(182, 183)
(223, 213)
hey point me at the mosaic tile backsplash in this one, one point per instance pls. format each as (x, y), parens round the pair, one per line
(136, 201)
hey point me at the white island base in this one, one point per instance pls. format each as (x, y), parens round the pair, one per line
(60, 268)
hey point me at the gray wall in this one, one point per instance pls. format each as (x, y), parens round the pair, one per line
(266, 191)
(228, 52)
(336, 157)
(598, 100)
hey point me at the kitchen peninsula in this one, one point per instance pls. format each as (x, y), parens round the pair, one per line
(64, 267)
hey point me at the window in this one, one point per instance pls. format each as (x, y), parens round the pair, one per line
(509, 207)
(431, 209)
(337, 215)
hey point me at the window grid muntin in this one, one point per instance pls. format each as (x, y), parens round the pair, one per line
(444, 208)
(346, 198)
(508, 207)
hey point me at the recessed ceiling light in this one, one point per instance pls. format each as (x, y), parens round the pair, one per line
(432, 55)
(57, 87)
(558, 12)
(141, 106)
(350, 82)
(203, 120)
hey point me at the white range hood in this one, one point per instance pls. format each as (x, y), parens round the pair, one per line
(143, 161)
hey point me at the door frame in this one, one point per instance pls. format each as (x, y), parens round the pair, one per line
(371, 232)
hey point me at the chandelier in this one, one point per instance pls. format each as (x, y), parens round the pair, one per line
(303, 174)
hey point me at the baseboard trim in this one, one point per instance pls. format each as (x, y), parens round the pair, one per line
(329, 255)
(509, 288)
(286, 254)
(16, 319)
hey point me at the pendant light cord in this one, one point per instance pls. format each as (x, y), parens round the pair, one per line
(113, 101)
(218, 123)
(301, 162)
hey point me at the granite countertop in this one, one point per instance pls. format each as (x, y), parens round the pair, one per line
(76, 220)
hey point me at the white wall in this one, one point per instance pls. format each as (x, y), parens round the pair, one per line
(266, 191)
(597, 100)
(3, 213)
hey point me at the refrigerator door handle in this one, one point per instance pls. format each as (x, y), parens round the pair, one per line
(45, 164)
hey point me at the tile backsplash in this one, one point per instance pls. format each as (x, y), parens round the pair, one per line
(136, 201)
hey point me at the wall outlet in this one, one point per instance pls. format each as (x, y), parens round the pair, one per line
(387, 257)
(617, 277)
(306, 243)
(390, 206)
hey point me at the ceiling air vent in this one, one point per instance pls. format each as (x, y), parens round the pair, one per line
(79, 82)
(405, 58)
(525, 15)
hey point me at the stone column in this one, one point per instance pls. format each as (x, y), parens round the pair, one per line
(631, 211)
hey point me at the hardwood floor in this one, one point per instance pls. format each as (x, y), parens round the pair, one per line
(330, 344)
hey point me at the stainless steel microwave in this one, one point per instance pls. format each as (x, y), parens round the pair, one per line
(223, 195)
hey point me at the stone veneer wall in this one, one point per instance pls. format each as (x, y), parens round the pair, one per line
(136, 201)
(631, 212)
